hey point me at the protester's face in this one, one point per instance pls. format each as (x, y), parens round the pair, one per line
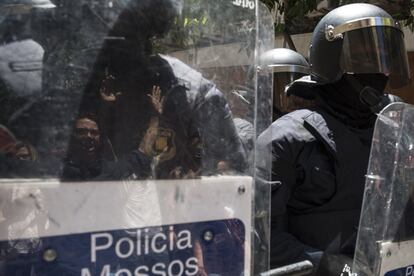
(87, 136)
(23, 153)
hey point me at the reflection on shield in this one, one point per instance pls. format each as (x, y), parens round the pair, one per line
(164, 145)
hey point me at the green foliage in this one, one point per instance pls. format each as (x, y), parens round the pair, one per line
(294, 12)
(204, 23)
(270, 4)
(409, 22)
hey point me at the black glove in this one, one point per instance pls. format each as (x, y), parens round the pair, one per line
(334, 265)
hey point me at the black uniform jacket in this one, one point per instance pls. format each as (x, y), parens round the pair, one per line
(320, 165)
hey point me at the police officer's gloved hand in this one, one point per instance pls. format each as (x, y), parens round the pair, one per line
(334, 265)
(315, 258)
(337, 258)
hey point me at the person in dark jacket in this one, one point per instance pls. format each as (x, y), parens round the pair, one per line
(194, 125)
(320, 155)
(84, 157)
(85, 161)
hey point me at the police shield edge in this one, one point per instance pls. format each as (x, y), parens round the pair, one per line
(385, 242)
(125, 148)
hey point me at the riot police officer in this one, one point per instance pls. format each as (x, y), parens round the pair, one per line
(287, 66)
(320, 155)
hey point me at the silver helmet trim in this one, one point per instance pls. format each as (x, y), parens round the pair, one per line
(336, 32)
(289, 68)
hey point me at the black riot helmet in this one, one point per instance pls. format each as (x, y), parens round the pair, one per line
(287, 66)
(358, 39)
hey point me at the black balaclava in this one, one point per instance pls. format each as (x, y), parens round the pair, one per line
(354, 99)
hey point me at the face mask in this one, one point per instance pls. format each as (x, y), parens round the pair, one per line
(375, 81)
(370, 88)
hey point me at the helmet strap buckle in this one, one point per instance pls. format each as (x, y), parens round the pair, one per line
(368, 95)
(373, 98)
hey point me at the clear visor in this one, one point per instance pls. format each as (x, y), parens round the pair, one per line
(378, 49)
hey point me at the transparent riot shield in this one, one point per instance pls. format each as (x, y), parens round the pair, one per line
(264, 83)
(127, 137)
(385, 243)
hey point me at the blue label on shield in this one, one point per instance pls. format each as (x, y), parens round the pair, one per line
(402, 271)
(213, 247)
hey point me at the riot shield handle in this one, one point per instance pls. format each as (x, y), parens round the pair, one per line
(295, 269)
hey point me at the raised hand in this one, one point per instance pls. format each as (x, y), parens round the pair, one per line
(107, 89)
(156, 99)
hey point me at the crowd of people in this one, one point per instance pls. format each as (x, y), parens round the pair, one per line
(141, 114)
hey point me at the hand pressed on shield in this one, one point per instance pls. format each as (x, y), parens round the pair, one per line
(108, 91)
(156, 99)
(146, 145)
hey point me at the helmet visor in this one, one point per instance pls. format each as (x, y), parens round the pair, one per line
(378, 49)
(283, 102)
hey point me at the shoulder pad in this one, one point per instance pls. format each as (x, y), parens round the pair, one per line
(303, 87)
(289, 126)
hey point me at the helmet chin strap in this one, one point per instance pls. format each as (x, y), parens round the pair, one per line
(376, 100)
